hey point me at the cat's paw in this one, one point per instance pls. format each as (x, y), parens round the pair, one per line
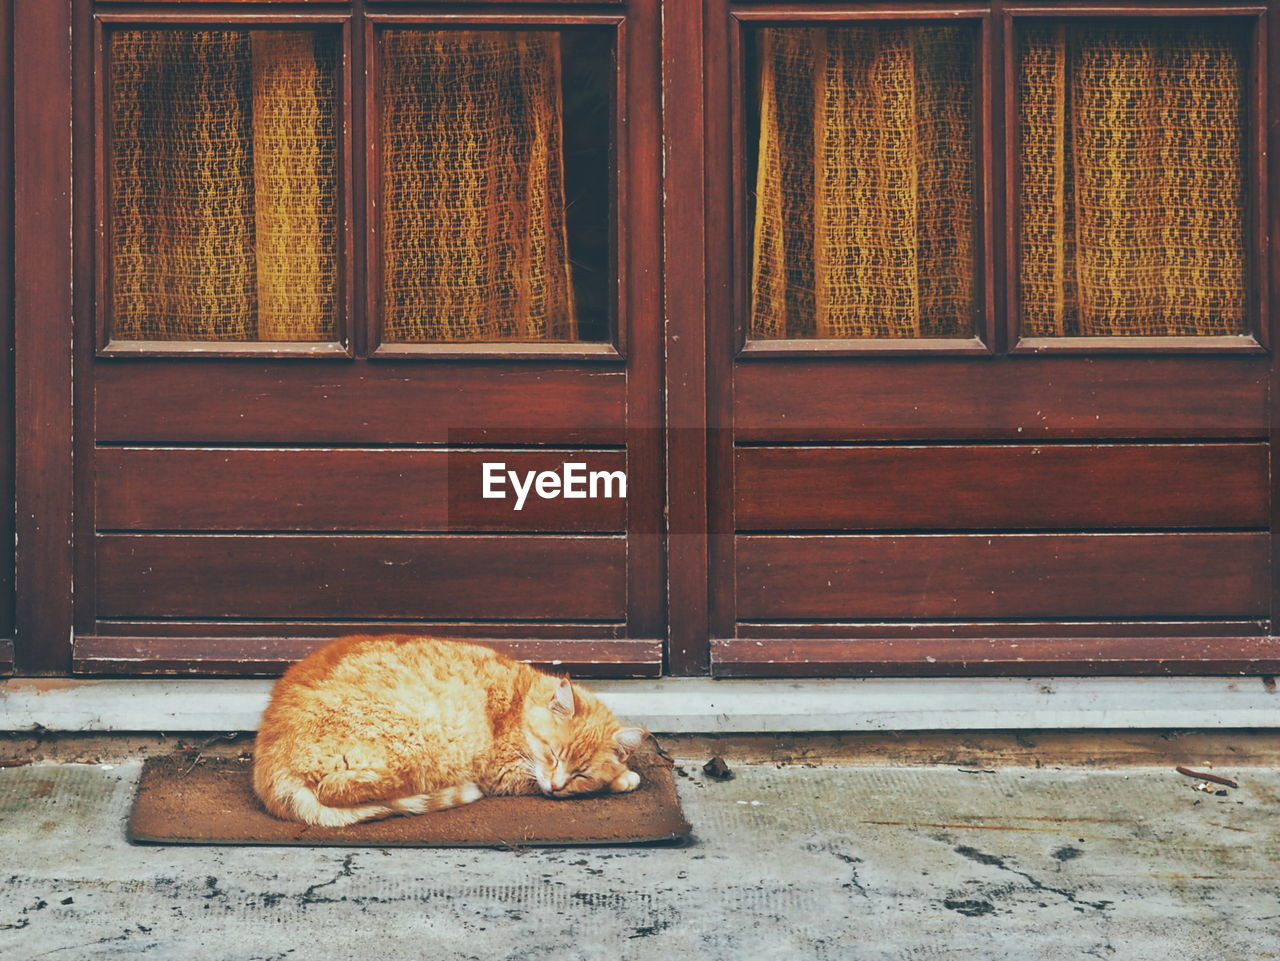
(626, 781)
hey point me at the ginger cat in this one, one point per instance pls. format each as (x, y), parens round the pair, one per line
(367, 727)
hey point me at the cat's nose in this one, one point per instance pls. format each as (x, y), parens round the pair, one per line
(558, 784)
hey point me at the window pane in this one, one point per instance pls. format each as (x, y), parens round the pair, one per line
(864, 204)
(1132, 197)
(223, 185)
(492, 229)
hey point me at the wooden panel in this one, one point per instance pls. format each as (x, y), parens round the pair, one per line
(1015, 397)
(270, 656)
(398, 490)
(936, 657)
(307, 402)
(1015, 486)
(421, 576)
(6, 655)
(223, 1)
(508, 2)
(285, 630)
(1003, 575)
(930, 630)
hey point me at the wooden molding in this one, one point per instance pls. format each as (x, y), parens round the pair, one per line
(270, 656)
(993, 656)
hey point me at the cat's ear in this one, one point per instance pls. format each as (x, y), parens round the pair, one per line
(627, 740)
(562, 705)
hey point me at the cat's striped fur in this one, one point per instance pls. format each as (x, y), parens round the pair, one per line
(369, 727)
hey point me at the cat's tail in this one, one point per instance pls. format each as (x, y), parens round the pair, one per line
(295, 801)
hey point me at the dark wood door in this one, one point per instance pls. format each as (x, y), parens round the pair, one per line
(992, 362)
(331, 263)
(911, 366)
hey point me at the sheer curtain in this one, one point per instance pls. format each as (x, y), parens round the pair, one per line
(223, 185)
(864, 219)
(1132, 199)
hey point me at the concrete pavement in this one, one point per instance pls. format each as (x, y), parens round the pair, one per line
(790, 862)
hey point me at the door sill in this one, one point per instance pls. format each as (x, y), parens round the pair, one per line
(699, 705)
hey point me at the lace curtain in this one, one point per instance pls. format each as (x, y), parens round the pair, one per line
(864, 217)
(474, 240)
(1131, 180)
(224, 220)
(223, 185)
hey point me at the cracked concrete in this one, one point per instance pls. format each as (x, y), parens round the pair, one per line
(792, 862)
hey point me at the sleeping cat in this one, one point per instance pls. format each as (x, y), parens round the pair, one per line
(367, 727)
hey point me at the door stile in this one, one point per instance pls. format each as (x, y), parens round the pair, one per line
(639, 164)
(43, 337)
(726, 218)
(1271, 220)
(686, 282)
(87, 105)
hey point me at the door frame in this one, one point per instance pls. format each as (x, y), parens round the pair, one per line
(43, 322)
(7, 420)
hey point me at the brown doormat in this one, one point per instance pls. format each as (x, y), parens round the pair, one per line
(211, 801)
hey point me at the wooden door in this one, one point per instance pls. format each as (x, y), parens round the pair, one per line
(1038, 452)
(332, 261)
(991, 367)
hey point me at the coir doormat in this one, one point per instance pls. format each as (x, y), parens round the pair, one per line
(211, 801)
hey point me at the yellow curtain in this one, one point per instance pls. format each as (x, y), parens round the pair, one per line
(223, 186)
(474, 244)
(1131, 181)
(865, 183)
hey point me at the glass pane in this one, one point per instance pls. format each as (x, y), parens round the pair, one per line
(496, 185)
(1132, 179)
(864, 220)
(223, 185)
